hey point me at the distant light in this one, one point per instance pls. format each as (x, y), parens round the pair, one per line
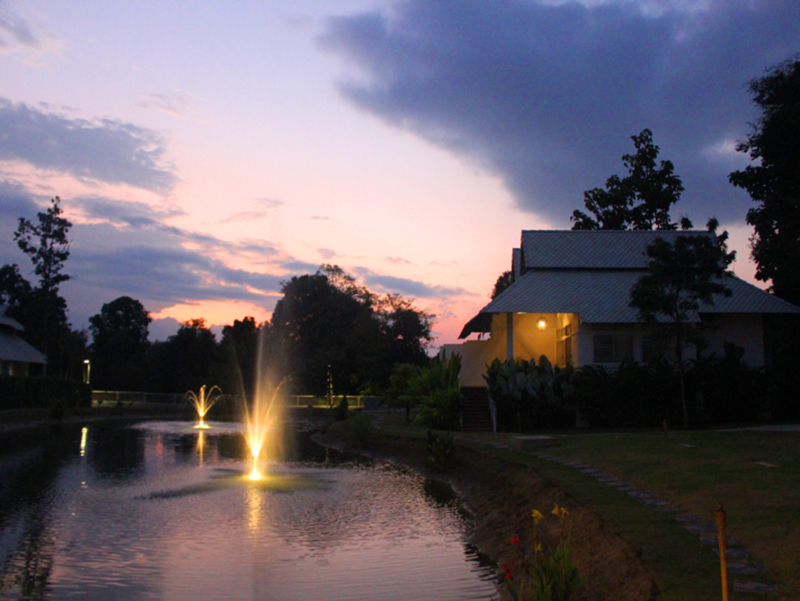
(541, 323)
(84, 433)
(86, 361)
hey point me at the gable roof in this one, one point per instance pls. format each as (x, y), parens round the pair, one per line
(14, 348)
(592, 272)
(592, 249)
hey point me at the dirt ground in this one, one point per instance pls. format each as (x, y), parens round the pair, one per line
(502, 497)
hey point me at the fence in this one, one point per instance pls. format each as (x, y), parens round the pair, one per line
(99, 397)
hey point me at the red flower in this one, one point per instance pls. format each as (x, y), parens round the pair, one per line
(515, 540)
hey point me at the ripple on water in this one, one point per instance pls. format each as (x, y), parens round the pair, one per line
(163, 525)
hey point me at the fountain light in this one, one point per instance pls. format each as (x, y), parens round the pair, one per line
(258, 423)
(203, 403)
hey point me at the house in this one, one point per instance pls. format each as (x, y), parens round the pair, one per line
(16, 355)
(570, 302)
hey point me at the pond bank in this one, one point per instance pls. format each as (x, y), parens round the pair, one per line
(502, 496)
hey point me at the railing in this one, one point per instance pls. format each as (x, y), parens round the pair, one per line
(100, 397)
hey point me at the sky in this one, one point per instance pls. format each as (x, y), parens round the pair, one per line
(207, 152)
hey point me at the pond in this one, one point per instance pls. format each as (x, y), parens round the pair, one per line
(156, 510)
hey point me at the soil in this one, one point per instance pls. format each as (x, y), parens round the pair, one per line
(503, 495)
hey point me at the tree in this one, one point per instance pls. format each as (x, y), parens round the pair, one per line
(773, 181)
(681, 278)
(504, 280)
(120, 344)
(41, 309)
(640, 201)
(185, 360)
(239, 349)
(326, 323)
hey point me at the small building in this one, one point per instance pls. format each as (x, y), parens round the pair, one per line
(570, 301)
(16, 355)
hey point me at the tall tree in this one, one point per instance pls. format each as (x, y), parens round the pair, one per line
(773, 181)
(239, 348)
(40, 308)
(682, 276)
(185, 360)
(639, 201)
(120, 344)
(327, 323)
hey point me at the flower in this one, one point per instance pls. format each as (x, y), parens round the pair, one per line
(560, 512)
(537, 516)
(515, 540)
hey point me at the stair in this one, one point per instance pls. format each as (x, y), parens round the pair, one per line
(476, 416)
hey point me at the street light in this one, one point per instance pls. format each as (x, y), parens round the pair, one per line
(87, 376)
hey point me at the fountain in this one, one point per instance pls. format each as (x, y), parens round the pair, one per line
(203, 403)
(260, 420)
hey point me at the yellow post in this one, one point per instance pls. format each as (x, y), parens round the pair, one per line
(721, 519)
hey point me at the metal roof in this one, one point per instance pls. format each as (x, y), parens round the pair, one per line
(14, 348)
(592, 249)
(603, 296)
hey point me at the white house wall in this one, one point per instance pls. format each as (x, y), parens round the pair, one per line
(743, 329)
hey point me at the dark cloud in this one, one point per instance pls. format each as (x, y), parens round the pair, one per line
(547, 96)
(414, 288)
(105, 150)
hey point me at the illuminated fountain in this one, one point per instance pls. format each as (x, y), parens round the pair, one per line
(203, 403)
(261, 423)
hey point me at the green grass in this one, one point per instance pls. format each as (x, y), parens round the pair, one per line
(693, 470)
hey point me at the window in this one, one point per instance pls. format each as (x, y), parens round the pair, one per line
(613, 348)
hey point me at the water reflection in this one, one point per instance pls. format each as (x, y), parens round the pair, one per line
(168, 515)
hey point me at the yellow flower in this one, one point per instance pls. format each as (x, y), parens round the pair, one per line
(536, 516)
(538, 548)
(564, 512)
(560, 512)
(555, 510)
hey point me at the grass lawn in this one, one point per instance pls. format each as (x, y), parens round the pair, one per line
(693, 470)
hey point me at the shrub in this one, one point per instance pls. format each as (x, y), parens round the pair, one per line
(438, 390)
(527, 395)
(440, 451)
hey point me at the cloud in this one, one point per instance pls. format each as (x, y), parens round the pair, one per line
(327, 253)
(20, 34)
(547, 95)
(103, 150)
(413, 288)
(177, 105)
(398, 261)
(263, 207)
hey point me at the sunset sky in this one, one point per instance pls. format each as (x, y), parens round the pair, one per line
(208, 151)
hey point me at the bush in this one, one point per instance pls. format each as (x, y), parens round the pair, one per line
(42, 393)
(439, 392)
(440, 451)
(340, 412)
(528, 396)
(358, 429)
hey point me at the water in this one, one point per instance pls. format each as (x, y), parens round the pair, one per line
(113, 510)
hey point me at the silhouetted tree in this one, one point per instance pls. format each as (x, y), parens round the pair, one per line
(327, 323)
(504, 280)
(682, 276)
(639, 201)
(40, 309)
(185, 360)
(773, 181)
(119, 345)
(239, 349)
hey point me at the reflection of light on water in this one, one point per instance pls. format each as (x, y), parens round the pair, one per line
(84, 434)
(255, 501)
(201, 443)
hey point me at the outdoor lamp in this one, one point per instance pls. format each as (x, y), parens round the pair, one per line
(541, 323)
